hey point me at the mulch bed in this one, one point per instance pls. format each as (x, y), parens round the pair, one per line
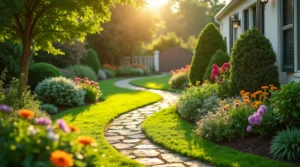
(259, 145)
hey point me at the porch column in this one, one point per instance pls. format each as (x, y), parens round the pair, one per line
(156, 61)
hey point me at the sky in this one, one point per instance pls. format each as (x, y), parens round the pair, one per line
(157, 3)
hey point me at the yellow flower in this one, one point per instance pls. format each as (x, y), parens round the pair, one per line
(73, 128)
(227, 106)
(207, 81)
(61, 159)
(190, 84)
(237, 101)
(197, 83)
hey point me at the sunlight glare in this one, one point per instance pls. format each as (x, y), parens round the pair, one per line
(155, 3)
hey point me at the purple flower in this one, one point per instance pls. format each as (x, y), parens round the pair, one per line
(258, 119)
(263, 107)
(260, 111)
(249, 128)
(62, 125)
(43, 121)
(5, 108)
(255, 119)
(251, 119)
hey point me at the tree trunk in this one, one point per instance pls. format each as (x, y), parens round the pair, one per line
(24, 63)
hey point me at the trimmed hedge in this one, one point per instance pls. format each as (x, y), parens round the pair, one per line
(82, 71)
(92, 60)
(210, 40)
(219, 58)
(39, 71)
(252, 63)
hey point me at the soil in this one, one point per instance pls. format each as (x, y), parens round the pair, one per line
(259, 145)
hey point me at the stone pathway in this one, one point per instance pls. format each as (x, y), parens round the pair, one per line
(126, 135)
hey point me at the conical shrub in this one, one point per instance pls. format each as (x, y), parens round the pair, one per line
(210, 40)
(252, 63)
(219, 59)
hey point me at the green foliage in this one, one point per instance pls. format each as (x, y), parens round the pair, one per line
(10, 59)
(124, 71)
(18, 101)
(40, 71)
(26, 144)
(179, 80)
(219, 58)
(287, 104)
(109, 73)
(92, 60)
(197, 101)
(239, 117)
(82, 71)
(91, 88)
(210, 40)
(286, 145)
(216, 126)
(252, 63)
(49, 108)
(164, 42)
(60, 91)
(73, 54)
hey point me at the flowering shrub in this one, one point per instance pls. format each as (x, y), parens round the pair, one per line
(82, 71)
(221, 76)
(185, 69)
(60, 91)
(39, 142)
(109, 67)
(91, 88)
(109, 73)
(197, 101)
(216, 126)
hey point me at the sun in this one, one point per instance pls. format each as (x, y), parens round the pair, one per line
(155, 3)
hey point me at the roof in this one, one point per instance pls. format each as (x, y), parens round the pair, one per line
(226, 8)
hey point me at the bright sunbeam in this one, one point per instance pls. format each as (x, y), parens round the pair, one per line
(155, 3)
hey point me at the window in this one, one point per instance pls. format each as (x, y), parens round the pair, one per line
(246, 20)
(254, 16)
(288, 35)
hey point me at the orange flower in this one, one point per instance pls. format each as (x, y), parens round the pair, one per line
(246, 98)
(253, 95)
(258, 92)
(73, 128)
(246, 101)
(273, 88)
(265, 94)
(242, 92)
(227, 106)
(237, 101)
(265, 87)
(271, 85)
(247, 94)
(60, 158)
(85, 140)
(28, 114)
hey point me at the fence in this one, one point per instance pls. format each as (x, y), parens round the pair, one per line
(148, 61)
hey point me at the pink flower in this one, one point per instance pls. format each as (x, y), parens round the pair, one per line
(263, 107)
(249, 128)
(260, 111)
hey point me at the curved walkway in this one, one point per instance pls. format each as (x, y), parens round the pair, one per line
(126, 135)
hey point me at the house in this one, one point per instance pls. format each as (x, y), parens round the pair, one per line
(278, 20)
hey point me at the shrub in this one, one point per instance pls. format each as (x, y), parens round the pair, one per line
(101, 74)
(219, 58)
(74, 53)
(82, 71)
(19, 101)
(42, 143)
(10, 59)
(40, 71)
(179, 80)
(92, 60)
(147, 71)
(49, 108)
(60, 91)
(216, 126)
(92, 89)
(165, 42)
(124, 71)
(109, 73)
(210, 40)
(252, 62)
(137, 71)
(221, 77)
(197, 101)
(286, 145)
(287, 104)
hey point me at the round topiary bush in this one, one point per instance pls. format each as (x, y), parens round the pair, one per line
(60, 91)
(39, 71)
(252, 63)
(92, 60)
(82, 71)
(179, 80)
(210, 40)
(219, 58)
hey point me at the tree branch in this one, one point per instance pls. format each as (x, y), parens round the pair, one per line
(35, 20)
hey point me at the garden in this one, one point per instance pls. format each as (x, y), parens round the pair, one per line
(221, 110)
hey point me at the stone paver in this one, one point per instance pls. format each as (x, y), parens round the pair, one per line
(125, 134)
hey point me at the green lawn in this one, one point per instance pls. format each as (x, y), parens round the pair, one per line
(167, 129)
(92, 119)
(155, 82)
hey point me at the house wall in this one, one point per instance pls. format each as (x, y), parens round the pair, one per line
(272, 30)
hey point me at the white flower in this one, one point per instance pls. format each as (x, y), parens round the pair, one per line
(52, 136)
(31, 130)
